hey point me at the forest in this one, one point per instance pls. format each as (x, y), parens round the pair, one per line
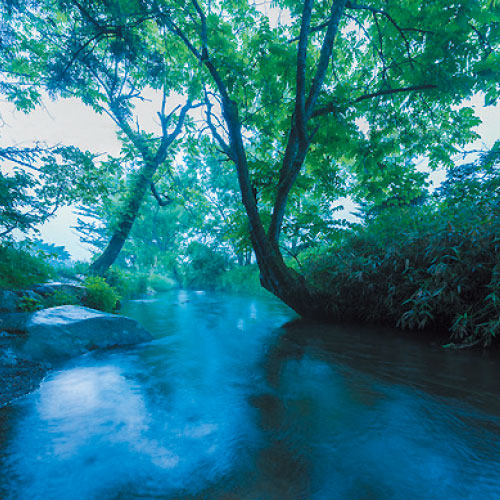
(269, 117)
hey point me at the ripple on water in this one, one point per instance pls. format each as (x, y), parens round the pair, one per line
(229, 402)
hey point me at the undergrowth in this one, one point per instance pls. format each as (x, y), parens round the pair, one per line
(418, 268)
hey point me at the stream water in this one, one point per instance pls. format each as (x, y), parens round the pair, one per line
(236, 398)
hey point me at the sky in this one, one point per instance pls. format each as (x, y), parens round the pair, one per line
(69, 122)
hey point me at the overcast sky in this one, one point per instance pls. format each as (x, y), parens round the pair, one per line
(69, 122)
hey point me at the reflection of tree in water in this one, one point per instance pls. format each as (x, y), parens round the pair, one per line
(343, 413)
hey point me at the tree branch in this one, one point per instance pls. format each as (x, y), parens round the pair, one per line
(300, 93)
(295, 154)
(336, 12)
(222, 143)
(336, 107)
(162, 199)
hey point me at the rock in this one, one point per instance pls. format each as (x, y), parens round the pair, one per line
(30, 294)
(30, 342)
(75, 289)
(62, 332)
(8, 301)
(14, 322)
(18, 376)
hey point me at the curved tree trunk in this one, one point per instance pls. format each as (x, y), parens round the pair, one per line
(128, 214)
(279, 279)
(144, 180)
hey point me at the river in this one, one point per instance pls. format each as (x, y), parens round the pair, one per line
(237, 398)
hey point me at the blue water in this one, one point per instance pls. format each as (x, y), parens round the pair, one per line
(237, 399)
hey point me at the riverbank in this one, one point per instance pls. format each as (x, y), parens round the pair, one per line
(33, 343)
(417, 269)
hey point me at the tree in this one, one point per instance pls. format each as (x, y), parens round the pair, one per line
(297, 93)
(108, 55)
(35, 181)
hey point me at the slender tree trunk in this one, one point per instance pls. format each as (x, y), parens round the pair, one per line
(143, 181)
(128, 214)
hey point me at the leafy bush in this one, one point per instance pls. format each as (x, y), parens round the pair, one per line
(29, 304)
(60, 298)
(21, 269)
(242, 279)
(129, 284)
(72, 271)
(204, 266)
(100, 295)
(161, 283)
(418, 268)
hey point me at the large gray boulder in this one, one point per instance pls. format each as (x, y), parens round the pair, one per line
(63, 332)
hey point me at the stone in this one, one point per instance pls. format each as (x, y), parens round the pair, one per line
(8, 301)
(63, 332)
(75, 289)
(31, 342)
(18, 376)
(30, 294)
(14, 322)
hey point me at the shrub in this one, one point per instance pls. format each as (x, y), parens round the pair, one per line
(72, 271)
(128, 284)
(29, 304)
(242, 279)
(60, 298)
(21, 269)
(204, 266)
(100, 295)
(161, 283)
(418, 268)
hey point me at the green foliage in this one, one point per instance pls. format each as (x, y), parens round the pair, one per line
(242, 279)
(37, 180)
(203, 266)
(161, 283)
(72, 270)
(100, 295)
(20, 269)
(127, 283)
(29, 304)
(60, 298)
(418, 268)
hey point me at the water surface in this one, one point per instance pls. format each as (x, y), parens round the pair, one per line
(238, 399)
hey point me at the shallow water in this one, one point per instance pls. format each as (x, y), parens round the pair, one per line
(237, 399)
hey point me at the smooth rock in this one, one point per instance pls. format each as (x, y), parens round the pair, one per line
(8, 301)
(75, 289)
(63, 332)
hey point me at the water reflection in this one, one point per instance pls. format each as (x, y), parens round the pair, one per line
(376, 437)
(229, 402)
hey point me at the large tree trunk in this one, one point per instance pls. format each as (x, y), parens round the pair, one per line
(290, 286)
(276, 276)
(279, 279)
